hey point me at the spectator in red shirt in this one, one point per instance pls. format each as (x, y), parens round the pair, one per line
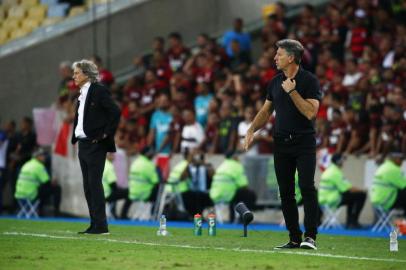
(392, 132)
(219, 53)
(160, 64)
(253, 84)
(182, 100)
(358, 36)
(67, 90)
(335, 133)
(65, 71)
(267, 70)
(177, 53)
(180, 80)
(106, 77)
(200, 68)
(133, 89)
(175, 129)
(337, 31)
(211, 133)
(152, 88)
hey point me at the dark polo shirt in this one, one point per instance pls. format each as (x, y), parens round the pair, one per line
(289, 120)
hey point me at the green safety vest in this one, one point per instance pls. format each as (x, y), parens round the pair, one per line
(32, 175)
(109, 177)
(388, 180)
(175, 183)
(228, 178)
(332, 185)
(143, 178)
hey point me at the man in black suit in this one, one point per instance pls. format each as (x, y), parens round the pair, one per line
(96, 121)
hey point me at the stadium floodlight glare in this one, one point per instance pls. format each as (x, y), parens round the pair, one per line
(245, 215)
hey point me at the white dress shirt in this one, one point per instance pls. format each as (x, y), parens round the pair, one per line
(79, 132)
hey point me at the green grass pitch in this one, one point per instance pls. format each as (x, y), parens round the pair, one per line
(56, 245)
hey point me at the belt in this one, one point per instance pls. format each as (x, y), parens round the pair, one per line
(287, 138)
(290, 137)
(85, 140)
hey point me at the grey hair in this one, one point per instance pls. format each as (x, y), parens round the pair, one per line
(88, 68)
(292, 47)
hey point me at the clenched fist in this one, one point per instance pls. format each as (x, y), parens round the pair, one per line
(288, 85)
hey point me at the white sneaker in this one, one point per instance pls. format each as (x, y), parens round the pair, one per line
(308, 243)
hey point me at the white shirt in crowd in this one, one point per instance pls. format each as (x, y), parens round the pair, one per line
(192, 136)
(388, 59)
(79, 132)
(351, 79)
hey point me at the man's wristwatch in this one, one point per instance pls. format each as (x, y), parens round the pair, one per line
(290, 92)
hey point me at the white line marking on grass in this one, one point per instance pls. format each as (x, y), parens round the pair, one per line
(302, 253)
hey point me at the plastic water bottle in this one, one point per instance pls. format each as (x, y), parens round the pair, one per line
(162, 227)
(393, 241)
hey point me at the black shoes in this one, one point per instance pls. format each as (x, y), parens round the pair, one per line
(95, 230)
(85, 231)
(289, 245)
(308, 243)
(103, 231)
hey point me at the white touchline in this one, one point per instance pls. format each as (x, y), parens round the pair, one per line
(203, 247)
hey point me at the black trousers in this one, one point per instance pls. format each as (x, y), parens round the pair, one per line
(354, 200)
(92, 157)
(291, 153)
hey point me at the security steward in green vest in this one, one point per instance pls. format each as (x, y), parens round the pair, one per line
(230, 184)
(389, 186)
(181, 181)
(335, 191)
(33, 182)
(112, 192)
(144, 178)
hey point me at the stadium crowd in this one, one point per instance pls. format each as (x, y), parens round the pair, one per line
(205, 97)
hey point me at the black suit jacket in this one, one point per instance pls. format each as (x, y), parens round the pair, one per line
(101, 116)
